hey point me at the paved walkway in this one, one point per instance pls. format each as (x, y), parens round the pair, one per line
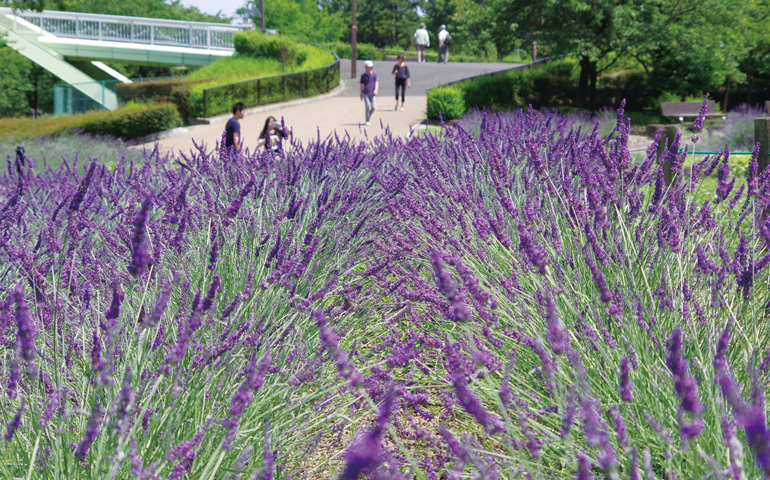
(343, 113)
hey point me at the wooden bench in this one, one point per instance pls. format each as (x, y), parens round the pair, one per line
(688, 109)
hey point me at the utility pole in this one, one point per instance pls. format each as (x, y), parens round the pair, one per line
(262, 15)
(353, 40)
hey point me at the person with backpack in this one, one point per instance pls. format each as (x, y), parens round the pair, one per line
(444, 41)
(421, 42)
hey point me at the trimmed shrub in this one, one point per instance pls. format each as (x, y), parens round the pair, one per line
(155, 90)
(135, 120)
(256, 44)
(448, 101)
(132, 121)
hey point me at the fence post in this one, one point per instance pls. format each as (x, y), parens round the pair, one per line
(208, 38)
(259, 92)
(191, 36)
(152, 34)
(762, 135)
(669, 134)
(100, 30)
(204, 103)
(283, 85)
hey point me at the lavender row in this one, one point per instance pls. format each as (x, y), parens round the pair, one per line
(526, 302)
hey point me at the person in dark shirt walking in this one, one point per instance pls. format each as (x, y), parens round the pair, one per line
(369, 86)
(233, 128)
(401, 72)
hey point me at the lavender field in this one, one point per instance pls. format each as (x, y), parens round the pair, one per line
(519, 299)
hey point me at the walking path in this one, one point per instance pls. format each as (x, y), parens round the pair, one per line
(344, 112)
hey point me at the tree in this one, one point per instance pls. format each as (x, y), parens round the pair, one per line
(26, 87)
(479, 23)
(303, 19)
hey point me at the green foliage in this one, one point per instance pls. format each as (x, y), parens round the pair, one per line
(447, 101)
(511, 88)
(479, 24)
(49, 150)
(255, 44)
(303, 19)
(156, 90)
(132, 121)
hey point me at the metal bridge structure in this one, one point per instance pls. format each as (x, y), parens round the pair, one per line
(73, 46)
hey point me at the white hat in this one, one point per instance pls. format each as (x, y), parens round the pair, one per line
(369, 63)
(442, 27)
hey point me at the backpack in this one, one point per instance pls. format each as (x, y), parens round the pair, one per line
(448, 39)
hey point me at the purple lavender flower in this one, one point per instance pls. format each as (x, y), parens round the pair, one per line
(92, 431)
(460, 311)
(533, 250)
(598, 277)
(472, 404)
(620, 425)
(557, 335)
(626, 386)
(27, 333)
(124, 404)
(14, 424)
(330, 341)
(584, 467)
(51, 409)
(140, 257)
(254, 379)
(214, 287)
(77, 199)
(14, 377)
(698, 123)
(685, 385)
(366, 453)
(232, 210)
(113, 312)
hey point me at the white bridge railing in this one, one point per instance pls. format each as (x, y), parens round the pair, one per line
(116, 28)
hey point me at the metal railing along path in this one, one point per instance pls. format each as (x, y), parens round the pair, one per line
(116, 28)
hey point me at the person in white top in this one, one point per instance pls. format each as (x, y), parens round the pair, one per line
(443, 44)
(421, 41)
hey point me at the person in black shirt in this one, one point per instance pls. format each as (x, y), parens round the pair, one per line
(401, 72)
(233, 127)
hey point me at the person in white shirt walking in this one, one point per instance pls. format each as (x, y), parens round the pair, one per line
(421, 41)
(444, 40)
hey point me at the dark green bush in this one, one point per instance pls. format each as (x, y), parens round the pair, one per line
(446, 100)
(132, 121)
(495, 90)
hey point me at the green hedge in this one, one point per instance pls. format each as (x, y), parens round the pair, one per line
(132, 121)
(256, 44)
(263, 91)
(505, 90)
(161, 89)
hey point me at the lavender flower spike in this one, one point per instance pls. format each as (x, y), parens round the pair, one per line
(557, 335)
(141, 258)
(92, 431)
(626, 386)
(77, 199)
(366, 454)
(684, 383)
(698, 123)
(27, 331)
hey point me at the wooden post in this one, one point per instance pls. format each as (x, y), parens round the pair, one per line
(259, 92)
(669, 134)
(762, 135)
(204, 103)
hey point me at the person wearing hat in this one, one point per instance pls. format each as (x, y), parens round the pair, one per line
(421, 41)
(444, 39)
(369, 85)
